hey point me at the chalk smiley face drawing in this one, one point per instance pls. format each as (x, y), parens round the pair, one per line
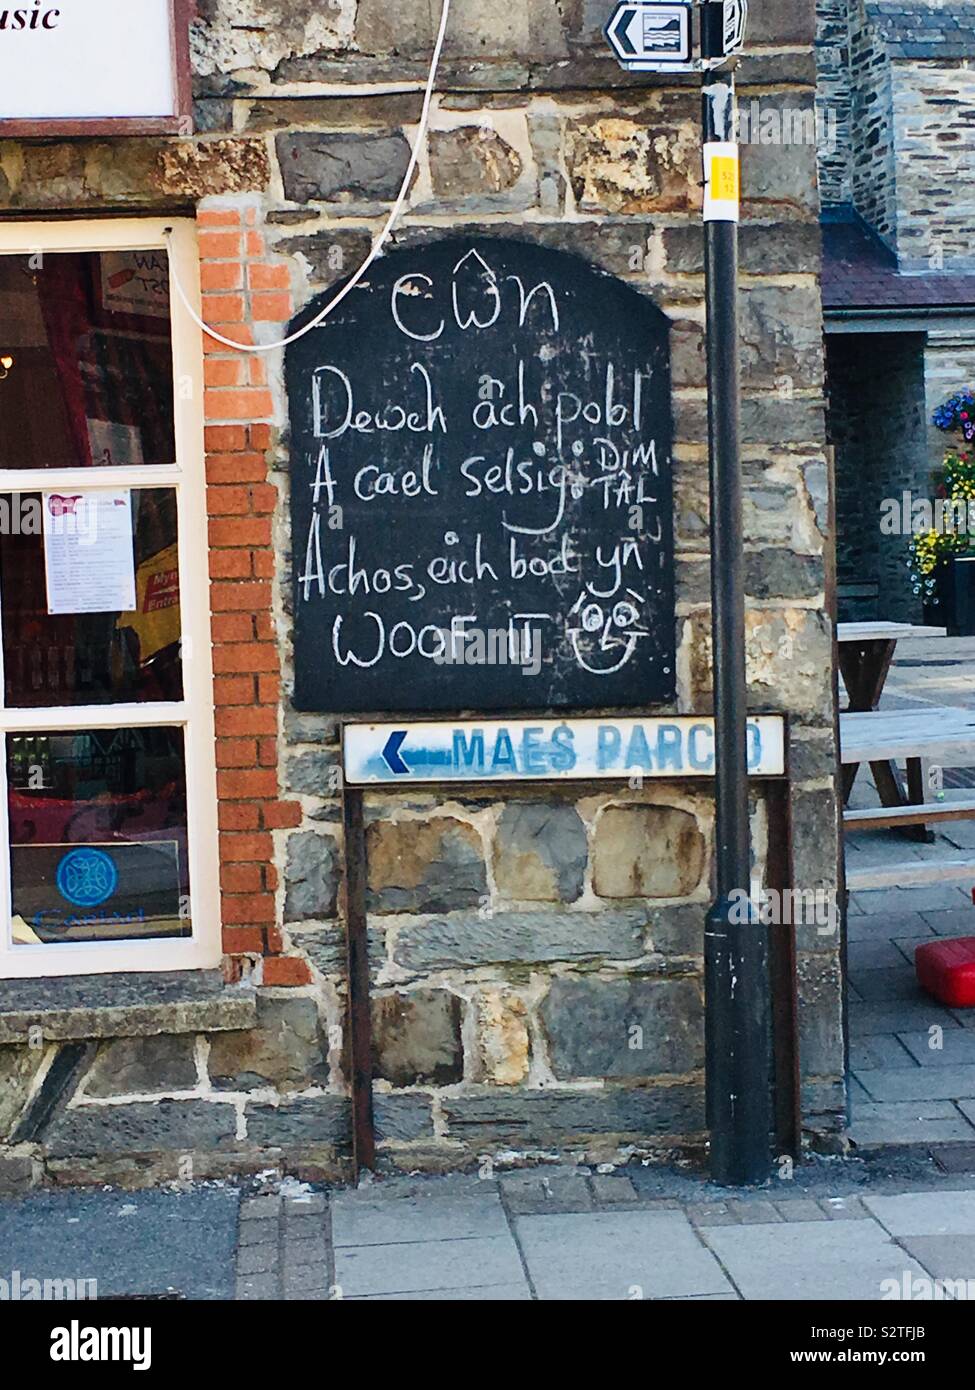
(604, 634)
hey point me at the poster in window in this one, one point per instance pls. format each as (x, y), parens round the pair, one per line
(136, 282)
(89, 552)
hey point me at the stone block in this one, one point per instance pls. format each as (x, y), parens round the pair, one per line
(433, 865)
(313, 772)
(624, 1028)
(343, 168)
(820, 1014)
(647, 852)
(540, 853)
(330, 256)
(527, 1119)
(286, 1050)
(18, 1068)
(310, 877)
(476, 30)
(233, 35)
(781, 334)
(402, 1118)
(417, 1038)
(471, 160)
(310, 1120)
(787, 657)
(678, 930)
(130, 1066)
(161, 1126)
(16, 1174)
(501, 1022)
(622, 165)
(472, 939)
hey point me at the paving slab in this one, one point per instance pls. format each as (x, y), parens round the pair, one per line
(366, 1218)
(487, 1293)
(925, 1213)
(884, 902)
(878, 953)
(893, 983)
(919, 1083)
(613, 1189)
(898, 1016)
(961, 834)
(606, 1255)
(905, 1122)
(945, 1257)
(885, 928)
(896, 901)
(957, 1047)
(908, 945)
(882, 1050)
(834, 1260)
(844, 1209)
(955, 1158)
(429, 1265)
(958, 923)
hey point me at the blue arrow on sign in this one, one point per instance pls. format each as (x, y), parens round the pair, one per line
(391, 754)
(618, 31)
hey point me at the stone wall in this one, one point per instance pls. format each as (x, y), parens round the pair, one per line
(899, 81)
(934, 135)
(834, 99)
(874, 166)
(536, 959)
(877, 424)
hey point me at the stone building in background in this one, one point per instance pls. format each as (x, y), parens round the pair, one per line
(519, 942)
(896, 89)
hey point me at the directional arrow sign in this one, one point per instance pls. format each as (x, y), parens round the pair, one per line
(391, 753)
(522, 750)
(646, 35)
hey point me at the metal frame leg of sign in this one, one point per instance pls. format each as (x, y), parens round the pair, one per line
(738, 1035)
(357, 964)
(779, 1035)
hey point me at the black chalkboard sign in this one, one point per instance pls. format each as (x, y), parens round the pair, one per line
(481, 488)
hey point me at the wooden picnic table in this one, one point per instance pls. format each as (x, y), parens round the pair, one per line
(865, 653)
(881, 737)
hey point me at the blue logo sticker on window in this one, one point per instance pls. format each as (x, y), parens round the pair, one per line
(86, 877)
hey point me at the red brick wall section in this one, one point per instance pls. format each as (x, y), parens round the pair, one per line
(241, 286)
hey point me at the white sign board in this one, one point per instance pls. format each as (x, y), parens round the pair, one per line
(89, 552)
(523, 750)
(648, 36)
(90, 60)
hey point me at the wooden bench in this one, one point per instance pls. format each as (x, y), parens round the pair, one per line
(916, 737)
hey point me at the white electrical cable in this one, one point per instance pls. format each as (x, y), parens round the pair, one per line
(377, 246)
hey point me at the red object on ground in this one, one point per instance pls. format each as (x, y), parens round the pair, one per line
(946, 969)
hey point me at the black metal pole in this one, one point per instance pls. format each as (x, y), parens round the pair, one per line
(736, 955)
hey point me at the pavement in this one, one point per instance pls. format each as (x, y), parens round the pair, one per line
(912, 1062)
(833, 1229)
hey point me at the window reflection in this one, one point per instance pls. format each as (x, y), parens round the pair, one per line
(98, 842)
(91, 380)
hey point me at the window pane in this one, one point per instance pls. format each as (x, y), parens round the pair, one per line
(98, 847)
(90, 658)
(90, 376)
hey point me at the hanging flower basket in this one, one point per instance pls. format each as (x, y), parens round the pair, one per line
(942, 559)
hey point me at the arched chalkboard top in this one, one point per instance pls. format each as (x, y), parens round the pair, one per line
(481, 487)
(470, 257)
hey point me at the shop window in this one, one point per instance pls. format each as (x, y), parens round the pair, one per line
(108, 809)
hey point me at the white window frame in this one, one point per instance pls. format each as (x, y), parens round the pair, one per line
(194, 713)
